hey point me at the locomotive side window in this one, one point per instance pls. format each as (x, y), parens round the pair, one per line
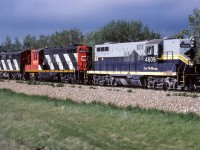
(102, 49)
(106, 48)
(150, 50)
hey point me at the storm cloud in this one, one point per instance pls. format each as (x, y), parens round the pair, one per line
(35, 17)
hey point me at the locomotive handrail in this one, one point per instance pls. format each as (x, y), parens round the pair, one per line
(191, 62)
(165, 54)
(171, 55)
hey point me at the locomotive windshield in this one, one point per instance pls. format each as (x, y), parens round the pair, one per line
(82, 50)
(150, 50)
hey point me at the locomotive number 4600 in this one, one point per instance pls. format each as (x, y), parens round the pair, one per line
(150, 59)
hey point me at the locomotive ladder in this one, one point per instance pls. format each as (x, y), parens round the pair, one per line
(181, 74)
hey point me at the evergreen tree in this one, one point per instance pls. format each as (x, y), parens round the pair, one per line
(17, 44)
(29, 42)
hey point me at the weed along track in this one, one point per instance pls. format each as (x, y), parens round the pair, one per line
(174, 101)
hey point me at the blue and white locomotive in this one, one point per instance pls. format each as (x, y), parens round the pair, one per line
(159, 63)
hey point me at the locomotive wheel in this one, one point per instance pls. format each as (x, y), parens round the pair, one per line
(151, 84)
(168, 86)
(114, 83)
(171, 83)
(189, 86)
(192, 86)
(144, 82)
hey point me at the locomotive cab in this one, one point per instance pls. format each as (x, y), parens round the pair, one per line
(154, 50)
(84, 58)
(35, 61)
(161, 50)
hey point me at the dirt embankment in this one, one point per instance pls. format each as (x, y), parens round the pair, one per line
(164, 100)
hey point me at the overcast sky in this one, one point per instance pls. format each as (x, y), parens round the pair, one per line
(21, 17)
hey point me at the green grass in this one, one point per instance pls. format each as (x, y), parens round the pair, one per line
(184, 94)
(20, 81)
(31, 122)
(34, 82)
(72, 86)
(129, 90)
(60, 85)
(2, 80)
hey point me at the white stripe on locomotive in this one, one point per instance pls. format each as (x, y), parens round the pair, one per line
(16, 64)
(49, 62)
(58, 61)
(39, 67)
(69, 62)
(4, 65)
(9, 64)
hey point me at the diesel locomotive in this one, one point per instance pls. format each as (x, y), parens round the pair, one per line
(68, 64)
(159, 63)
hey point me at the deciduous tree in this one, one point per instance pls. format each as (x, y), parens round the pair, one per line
(121, 31)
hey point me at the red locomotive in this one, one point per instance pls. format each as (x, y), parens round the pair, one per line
(68, 64)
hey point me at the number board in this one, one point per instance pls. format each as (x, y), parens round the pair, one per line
(150, 59)
(185, 45)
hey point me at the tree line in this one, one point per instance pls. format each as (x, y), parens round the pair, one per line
(114, 31)
(57, 39)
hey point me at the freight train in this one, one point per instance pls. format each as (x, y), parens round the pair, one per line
(159, 63)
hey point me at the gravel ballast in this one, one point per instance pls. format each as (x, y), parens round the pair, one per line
(163, 100)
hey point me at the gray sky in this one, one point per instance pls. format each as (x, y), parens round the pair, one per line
(21, 17)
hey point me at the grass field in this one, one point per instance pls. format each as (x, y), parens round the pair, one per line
(35, 122)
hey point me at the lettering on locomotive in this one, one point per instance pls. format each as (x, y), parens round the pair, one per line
(150, 59)
(151, 68)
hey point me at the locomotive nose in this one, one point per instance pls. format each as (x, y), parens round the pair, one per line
(192, 51)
